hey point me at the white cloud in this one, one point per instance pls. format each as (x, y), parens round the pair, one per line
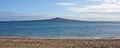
(108, 10)
(102, 8)
(107, 1)
(93, 17)
(66, 4)
(14, 16)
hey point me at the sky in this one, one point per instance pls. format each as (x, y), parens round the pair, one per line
(88, 10)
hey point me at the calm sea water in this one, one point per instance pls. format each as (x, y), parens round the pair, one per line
(59, 29)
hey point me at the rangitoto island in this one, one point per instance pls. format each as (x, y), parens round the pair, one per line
(60, 19)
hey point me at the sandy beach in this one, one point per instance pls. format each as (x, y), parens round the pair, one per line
(58, 43)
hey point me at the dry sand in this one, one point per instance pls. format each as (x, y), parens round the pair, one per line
(58, 43)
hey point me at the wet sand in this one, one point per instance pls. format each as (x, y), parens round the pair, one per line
(58, 43)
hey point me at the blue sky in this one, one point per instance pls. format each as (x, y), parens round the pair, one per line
(91, 10)
(36, 7)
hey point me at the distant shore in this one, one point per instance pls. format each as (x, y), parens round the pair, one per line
(58, 43)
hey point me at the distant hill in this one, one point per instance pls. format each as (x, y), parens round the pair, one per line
(58, 19)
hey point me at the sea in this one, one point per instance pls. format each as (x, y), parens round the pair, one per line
(60, 30)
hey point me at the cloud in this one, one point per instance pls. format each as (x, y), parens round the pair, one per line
(10, 13)
(107, 1)
(107, 10)
(66, 4)
(100, 8)
(93, 17)
(14, 16)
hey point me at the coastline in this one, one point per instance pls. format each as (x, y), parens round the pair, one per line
(58, 43)
(72, 37)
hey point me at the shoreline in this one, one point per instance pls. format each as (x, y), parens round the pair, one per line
(64, 37)
(58, 43)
